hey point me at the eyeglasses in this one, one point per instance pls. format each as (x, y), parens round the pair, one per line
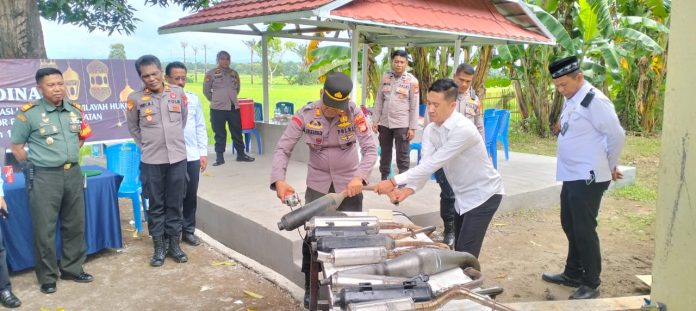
(179, 78)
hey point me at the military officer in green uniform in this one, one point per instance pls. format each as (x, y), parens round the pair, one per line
(54, 129)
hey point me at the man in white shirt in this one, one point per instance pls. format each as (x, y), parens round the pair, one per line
(196, 137)
(590, 139)
(468, 104)
(453, 143)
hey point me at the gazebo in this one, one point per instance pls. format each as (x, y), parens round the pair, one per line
(384, 22)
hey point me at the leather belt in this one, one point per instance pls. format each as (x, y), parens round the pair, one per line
(63, 167)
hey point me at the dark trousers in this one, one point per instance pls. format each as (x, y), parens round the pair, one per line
(4, 273)
(396, 138)
(58, 195)
(447, 211)
(165, 185)
(579, 208)
(470, 227)
(193, 169)
(353, 204)
(233, 120)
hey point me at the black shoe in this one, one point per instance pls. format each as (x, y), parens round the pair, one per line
(48, 288)
(245, 158)
(175, 251)
(190, 239)
(561, 279)
(157, 259)
(448, 234)
(83, 277)
(585, 292)
(9, 300)
(219, 159)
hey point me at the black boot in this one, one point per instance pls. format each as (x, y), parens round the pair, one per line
(219, 159)
(174, 249)
(157, 259)
(448, 234)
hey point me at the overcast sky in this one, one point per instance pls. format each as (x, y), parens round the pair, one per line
(68, 41)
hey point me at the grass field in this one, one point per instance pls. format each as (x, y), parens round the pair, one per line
(279, 91)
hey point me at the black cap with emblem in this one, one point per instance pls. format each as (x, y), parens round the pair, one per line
(564, 66)
(337, 88)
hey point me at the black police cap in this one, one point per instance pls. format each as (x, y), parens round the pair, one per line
(337, 88)
(563, 66)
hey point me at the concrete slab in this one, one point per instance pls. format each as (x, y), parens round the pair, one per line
(238, 209)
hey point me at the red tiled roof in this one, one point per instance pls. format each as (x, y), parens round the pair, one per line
(468, 16)
(475, 17)
(236, 9)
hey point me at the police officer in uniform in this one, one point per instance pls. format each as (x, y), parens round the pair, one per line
(331, 128)
(54, 129)
(196, 135)
(468, 105)
(590, 139)
(156, 120)
(221, 88)
(395, 114)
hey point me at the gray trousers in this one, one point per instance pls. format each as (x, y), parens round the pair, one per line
(393, 138)
(58, 194)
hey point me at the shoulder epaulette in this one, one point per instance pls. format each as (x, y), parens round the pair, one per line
(77, 106)
(27, 106)
(588, 98)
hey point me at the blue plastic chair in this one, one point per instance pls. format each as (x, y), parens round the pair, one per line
(504, 124)
(489, 112)
(417, 147)
(258, 116)
(421, 110)
(490, 125)
(124, 159)
(285, 108)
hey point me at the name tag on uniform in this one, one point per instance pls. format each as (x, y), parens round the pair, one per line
(175, 108)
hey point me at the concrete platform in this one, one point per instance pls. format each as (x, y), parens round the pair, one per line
(237, 208)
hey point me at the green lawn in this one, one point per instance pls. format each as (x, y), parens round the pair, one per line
(279, 91)
(640, 152)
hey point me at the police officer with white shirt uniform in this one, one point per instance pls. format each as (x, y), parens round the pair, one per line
(590, 139)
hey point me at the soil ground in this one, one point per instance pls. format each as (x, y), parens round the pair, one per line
(124, 280)
(519, 246)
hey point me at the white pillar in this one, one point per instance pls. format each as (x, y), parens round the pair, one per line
(363, 99)
(673, 266)
(354, 44)
(457, 52)
(264, 75)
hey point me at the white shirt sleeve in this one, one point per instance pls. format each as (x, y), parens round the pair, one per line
(456, 141)
(605, 120)
(201, 132)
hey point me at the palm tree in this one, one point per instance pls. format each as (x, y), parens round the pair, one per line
(251, 44)
(184, 44)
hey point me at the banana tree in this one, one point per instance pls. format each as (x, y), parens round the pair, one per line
(335, 58)
(589, 29)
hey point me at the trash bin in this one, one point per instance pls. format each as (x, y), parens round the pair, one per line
(246, 112)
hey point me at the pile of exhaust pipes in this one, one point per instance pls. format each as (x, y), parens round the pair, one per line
(383, 266)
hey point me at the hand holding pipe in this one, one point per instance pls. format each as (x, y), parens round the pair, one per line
(328, 202)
